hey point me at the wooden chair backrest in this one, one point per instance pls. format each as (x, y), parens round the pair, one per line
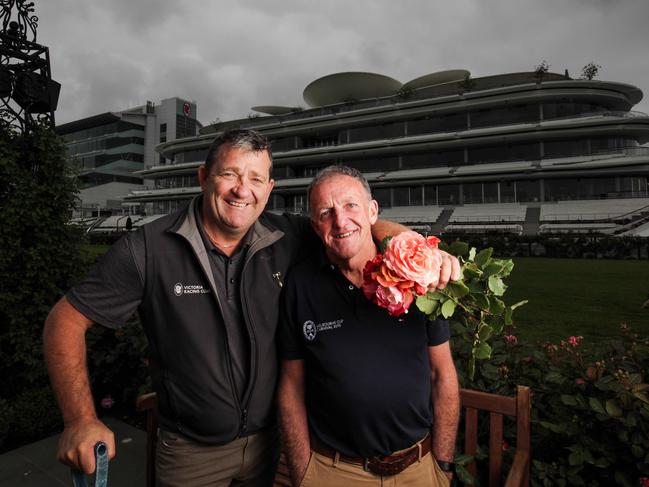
(519, 407)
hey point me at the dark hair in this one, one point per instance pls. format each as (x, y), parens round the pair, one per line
(238, 138)
(337, 170)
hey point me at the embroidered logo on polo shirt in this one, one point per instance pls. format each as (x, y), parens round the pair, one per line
(311, 329)
(180, 289)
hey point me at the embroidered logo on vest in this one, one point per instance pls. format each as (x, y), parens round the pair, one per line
(180, 289)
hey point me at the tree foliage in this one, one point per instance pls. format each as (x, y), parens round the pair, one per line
(590, 71)
(40, 250)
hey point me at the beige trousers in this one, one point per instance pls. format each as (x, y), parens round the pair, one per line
(250, 461)
(323, 471)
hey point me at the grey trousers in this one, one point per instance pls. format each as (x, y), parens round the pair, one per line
(244, 462)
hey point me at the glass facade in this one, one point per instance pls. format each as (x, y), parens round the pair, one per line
(395, 151)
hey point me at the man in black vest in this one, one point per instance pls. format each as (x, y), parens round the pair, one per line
(206, 283)
(365, 398)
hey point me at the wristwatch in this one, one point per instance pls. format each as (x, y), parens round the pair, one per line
(446, 466)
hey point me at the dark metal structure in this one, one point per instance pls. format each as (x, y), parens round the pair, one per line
(28, 94)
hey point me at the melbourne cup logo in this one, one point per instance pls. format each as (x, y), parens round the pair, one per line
(178, 289)
(309, 330)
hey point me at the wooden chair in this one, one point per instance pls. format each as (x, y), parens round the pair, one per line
(518, 406)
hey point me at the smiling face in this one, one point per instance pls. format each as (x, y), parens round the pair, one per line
(235, 191)
(342, 214)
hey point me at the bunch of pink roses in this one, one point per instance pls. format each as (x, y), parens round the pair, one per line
(409, 266)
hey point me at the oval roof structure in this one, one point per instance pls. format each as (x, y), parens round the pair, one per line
(347, 86)
(436, 78)
(275, 109)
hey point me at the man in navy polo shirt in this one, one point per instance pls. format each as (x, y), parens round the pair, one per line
(363, 396)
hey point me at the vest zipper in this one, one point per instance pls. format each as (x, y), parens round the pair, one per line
(244, 422)
(233, 387)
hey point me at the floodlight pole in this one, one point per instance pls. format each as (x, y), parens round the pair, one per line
(28, 94)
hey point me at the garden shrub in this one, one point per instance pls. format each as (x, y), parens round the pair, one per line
(118, 366)
(40, 257)
(590, 410)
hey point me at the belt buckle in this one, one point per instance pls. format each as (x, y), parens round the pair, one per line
(388, 468)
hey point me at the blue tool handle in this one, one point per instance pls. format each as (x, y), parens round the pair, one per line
(101, 468)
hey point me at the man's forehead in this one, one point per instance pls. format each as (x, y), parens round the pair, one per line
(342, 191)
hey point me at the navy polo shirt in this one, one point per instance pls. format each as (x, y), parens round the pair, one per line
(367, 374)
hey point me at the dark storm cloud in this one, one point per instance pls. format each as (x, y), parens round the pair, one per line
(229, 56)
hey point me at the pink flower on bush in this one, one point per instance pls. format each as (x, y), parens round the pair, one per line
(575, 340)
(644, 481)
(414, 258)
(580, 381)
(107, 402)
(511, 339)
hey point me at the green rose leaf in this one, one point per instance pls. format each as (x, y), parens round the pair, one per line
(482, 351)
(482, 301)
(483, 256)
(508, 267)
(472, 254)
(448, 308)
(508, 316)
(426, 304)
(492, 269)
(457, 289)
(496, 306)
(475, 286)
(484, 332)
(458, 249)
(497, 286)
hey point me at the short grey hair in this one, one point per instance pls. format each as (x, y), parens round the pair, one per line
(246, 139)
(337, 170)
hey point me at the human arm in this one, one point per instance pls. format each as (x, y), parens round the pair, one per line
(446, 401)
(64, 347)
(292, 419)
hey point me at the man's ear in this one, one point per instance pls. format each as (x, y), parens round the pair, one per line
(202, 175)
(374, 211)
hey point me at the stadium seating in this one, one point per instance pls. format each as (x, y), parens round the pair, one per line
(412, 214)
(489, 213)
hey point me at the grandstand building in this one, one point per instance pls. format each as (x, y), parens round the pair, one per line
(108, 150)
(521, 153)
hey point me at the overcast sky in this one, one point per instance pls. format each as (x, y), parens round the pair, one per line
(229, 56)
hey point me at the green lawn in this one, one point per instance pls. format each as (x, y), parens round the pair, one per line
(568, 297)
(92, 251)
(578, 297)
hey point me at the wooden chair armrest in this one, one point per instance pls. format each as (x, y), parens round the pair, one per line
(146, 402)
(517, 474)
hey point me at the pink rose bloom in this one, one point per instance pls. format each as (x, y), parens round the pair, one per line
(414, 258)
(393, 299)
(580, 381)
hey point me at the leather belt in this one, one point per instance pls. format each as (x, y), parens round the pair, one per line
(384, 466)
